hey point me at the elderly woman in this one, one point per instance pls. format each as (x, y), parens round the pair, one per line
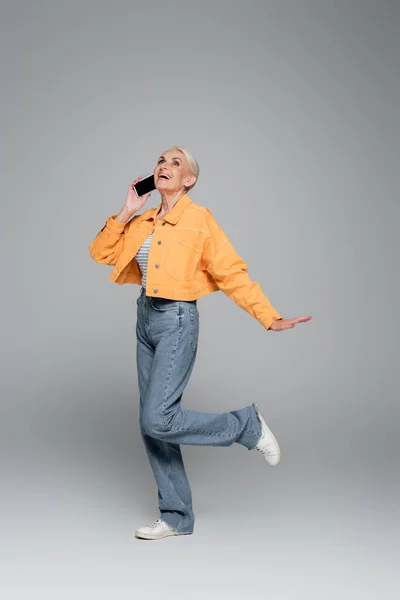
(178, 253)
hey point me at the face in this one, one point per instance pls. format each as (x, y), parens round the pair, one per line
(172, 172)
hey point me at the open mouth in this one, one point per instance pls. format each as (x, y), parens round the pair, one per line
(163, 177)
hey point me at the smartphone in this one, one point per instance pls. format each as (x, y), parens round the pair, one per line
(144, 186)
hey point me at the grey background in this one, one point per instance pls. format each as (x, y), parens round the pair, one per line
(291, 109)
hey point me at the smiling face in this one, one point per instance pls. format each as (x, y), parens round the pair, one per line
(172, 172)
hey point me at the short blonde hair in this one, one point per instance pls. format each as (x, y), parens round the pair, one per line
(193, 164)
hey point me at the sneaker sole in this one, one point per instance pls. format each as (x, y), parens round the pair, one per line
(149, 536)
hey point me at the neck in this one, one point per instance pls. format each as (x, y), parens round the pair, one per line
(169, 199)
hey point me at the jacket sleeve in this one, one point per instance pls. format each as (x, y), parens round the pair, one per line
(230, 272)
(107, 246)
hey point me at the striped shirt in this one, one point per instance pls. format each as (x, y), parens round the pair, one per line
(142, 258)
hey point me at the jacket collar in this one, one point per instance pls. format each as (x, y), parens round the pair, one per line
(175, 213)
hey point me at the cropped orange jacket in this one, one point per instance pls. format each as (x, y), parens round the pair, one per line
(190, 256)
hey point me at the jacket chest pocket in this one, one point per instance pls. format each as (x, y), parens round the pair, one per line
(182, 259)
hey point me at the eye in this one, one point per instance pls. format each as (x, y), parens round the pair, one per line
(176, 162)
(161, 160)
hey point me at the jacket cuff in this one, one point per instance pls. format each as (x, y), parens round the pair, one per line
(114, 226)
(271, 319)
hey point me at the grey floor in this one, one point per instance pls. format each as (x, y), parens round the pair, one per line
(76, 483)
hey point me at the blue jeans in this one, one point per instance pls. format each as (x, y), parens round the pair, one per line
(167, 334)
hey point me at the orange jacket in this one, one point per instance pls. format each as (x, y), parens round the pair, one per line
(190, 256)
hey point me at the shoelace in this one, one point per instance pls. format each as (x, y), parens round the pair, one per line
(265, 451)
(155, 524)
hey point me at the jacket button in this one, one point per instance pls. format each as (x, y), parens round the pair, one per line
(157, 266)
(159, 242)
(164, 223)
(155, 291)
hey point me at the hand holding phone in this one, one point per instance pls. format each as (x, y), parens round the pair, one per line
(144, 186)
(134, 201)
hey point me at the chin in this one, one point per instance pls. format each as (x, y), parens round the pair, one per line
(161, 185)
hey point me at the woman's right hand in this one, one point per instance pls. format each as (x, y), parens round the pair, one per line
(133, 203)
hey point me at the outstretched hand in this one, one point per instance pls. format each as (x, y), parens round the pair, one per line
(281, 324)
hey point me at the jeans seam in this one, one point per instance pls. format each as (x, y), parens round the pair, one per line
(171, 484)
(173, 355)
(192, 316)
(174, 430)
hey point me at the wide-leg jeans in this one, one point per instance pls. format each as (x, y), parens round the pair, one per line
(167, 334)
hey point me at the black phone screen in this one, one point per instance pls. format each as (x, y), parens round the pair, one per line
(144, 186)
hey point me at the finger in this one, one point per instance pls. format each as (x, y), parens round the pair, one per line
(300, 319)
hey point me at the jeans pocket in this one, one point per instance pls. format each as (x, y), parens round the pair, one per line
(164, 304)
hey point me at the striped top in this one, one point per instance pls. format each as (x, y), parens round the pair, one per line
(142, 258)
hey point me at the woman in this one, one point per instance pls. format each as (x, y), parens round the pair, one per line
(178, 253)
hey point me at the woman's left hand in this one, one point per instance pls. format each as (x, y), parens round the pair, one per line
(281, 324)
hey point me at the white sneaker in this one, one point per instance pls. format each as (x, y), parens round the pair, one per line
(267, 444)
(154, 531)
